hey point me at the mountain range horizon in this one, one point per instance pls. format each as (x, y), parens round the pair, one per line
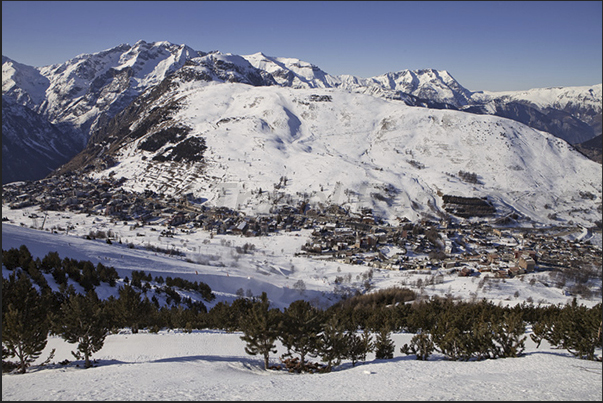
(136, 109)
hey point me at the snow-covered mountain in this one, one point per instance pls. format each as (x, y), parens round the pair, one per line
(425, 87)
(252, 147)
(74, 97)
(570, 113)
(289, 119)
(105, 82)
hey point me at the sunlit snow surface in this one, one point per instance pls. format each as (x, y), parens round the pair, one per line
(212, 365)
(361, 151)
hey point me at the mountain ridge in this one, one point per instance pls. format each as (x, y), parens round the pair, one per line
(151, 100)
(259, 144)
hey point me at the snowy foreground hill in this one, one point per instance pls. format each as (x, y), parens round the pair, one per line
(212, 365)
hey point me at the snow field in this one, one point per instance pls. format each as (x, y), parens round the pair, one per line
(212, 365)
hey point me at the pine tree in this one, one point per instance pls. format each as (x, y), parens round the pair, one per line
(367, 343)
(582, 329)
(334, 343)
(24, 320)
(82, 321)
(261, 329)
(573, 327)
(355, 349)
(300, 330)
(509, 334)
(452, 332)
(483, 344)
(421, 345)
(239, 310)
(131, 308)
(384, 345)
(359, 346)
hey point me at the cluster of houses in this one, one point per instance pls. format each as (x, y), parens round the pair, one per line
(468, 250)
(407, 247)
(340, 235)
(106, 197)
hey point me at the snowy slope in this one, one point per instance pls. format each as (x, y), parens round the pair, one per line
(83, 94)
(273, 267)
(336, 147)
(212, 365)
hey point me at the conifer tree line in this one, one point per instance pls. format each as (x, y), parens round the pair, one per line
(347, 330)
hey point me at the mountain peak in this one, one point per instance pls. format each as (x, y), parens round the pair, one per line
(157, 44)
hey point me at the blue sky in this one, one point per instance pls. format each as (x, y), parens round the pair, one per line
(495, 46)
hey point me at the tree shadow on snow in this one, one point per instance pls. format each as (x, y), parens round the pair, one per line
(559, 353)
(249, 363)
(74, 364)
(253, 362)
(348, 365)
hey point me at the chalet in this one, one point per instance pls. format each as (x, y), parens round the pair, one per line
(343, 231)
(240, 228)
(393, 266)
(329, 227)
(368, 219)
(502, 273)
(449, 263)
(526, 263)
(515, 271)
(466, 272)
(506, 257)
(177, 219)
(340, 246)
(484, 268)
(111, 208)
(530, 253)
(492, 258)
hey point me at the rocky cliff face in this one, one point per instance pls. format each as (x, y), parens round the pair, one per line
(592, 148)
(74, 98)
(31, 146)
